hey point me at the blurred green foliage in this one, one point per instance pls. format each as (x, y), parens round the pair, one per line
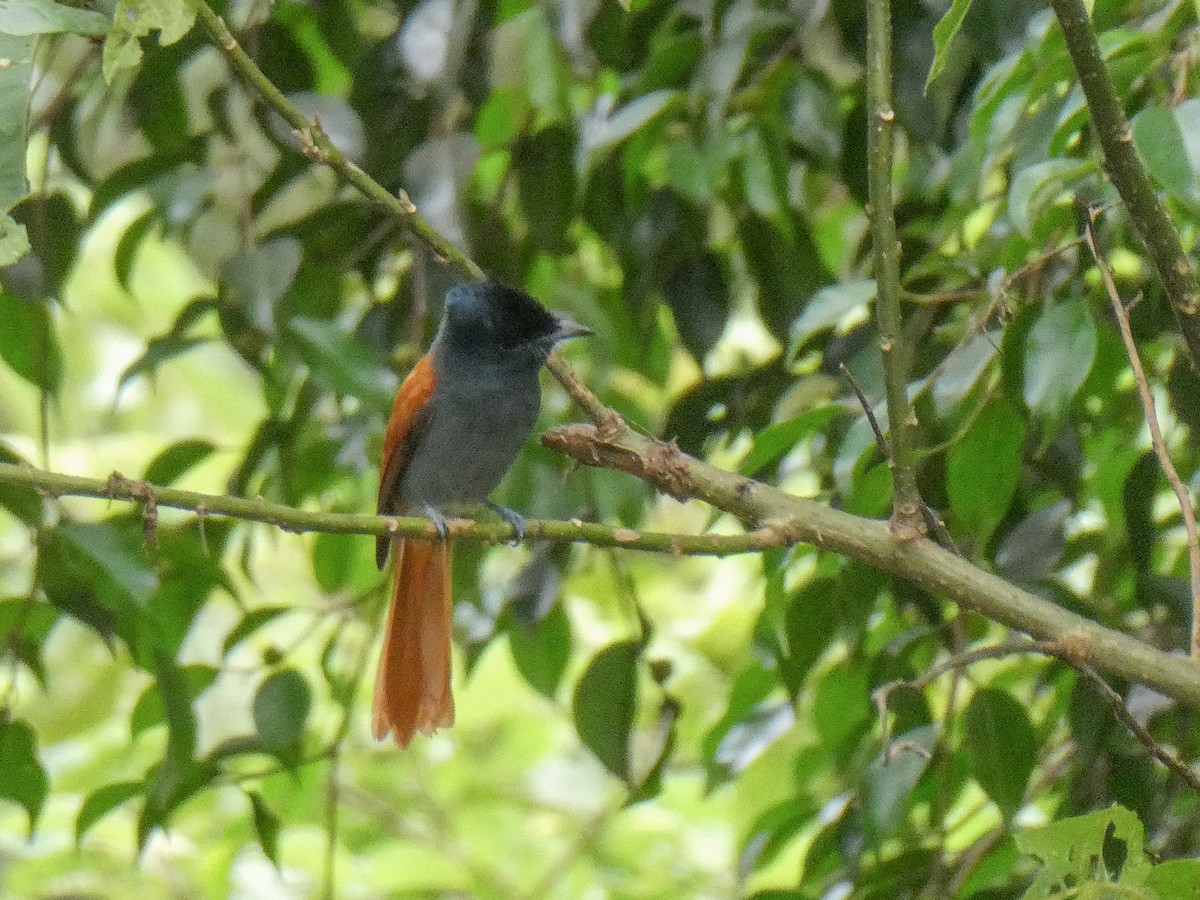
(205, 305)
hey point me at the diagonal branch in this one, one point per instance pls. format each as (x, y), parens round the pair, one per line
(1156, 439)
(919, 561)
(1129, 176)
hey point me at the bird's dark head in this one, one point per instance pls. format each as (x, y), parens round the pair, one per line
(493, 321)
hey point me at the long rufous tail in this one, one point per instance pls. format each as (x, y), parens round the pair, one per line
(412, 689)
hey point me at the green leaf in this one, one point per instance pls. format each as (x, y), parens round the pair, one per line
(943, 36)
(281, 708)
(101, 802)
(826, 308)
(24, 17)
(984, 469)
(1059, 351)
(888, 782)
(599, 133)
(14, 105)
(29, 341)
(1002, 746)
(134, 19)
(266, 826)
(251, 622)
(174, 343)
(1034, 547)
(1072, 852)
(1037, 186)
(1177, 879)
(25, 624)
(1168, 140)
(173, 462)
(340, 361)
(149, 710)
(780, 438)
(542, 650)
(22, 778)
(605, 703)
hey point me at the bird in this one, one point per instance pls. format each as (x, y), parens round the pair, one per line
(457, 424)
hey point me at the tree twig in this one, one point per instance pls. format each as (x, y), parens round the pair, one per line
(1129, 176)
(1156, 439)
(907, 521)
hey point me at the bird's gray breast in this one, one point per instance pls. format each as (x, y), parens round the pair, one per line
(480, 417)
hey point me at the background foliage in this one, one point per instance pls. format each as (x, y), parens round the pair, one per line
(204, 305)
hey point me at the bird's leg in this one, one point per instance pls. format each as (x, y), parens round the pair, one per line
(512, 517)
(439, 521)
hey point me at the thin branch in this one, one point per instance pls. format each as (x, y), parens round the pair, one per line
(1156, 438)
(907, 522)
(1066, 651)
(117, 487)
(1129, 176)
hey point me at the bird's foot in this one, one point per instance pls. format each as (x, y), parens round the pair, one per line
(512, 517)
(440, 525)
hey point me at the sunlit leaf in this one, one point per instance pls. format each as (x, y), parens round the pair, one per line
(266, 826)
(943, 36)
(984, 468)
(25, 17)
(101, 802)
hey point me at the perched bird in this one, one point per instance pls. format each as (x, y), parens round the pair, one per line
(459, 419)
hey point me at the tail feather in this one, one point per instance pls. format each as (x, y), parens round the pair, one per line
(412, 689)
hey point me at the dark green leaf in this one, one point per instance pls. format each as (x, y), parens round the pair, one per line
(984, 469)
(542, 649)
(341, 361)
(281, 708)
(149, 711)
(266, 826)
(29, 343)
(697, 292)
(777, 440)
(22, 778)
(889, 780)
(1002, 746)
(605, 704)
(101, 802)
(943, 35)
(1034, 547)
(173, 462)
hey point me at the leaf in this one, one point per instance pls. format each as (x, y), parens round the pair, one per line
(751, 737)
(697, 291)
(17, 51)
(650, 784)
(24, 626)
(134, 19)
(101, 802)
(149, 710)
(943, 36)
(1072, 851)
(251, 622)
(24, 17)
(173, 462)
(22, 778)
(887, 785)
(1002, 747)
(542, 650)
(281, 708)
(29, 341)
(826, 308)
(266, 826)
(1038, 185)
(1034, 547)
(600, 131)
(1168, 140)
(1059, 351)
(605, 703)
(780, 438)
(340, 361)
(984, 468)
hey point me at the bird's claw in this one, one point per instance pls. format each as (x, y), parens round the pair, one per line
(512, 517)
(439, 521)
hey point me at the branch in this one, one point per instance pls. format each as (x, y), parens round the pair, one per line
(919, 561)
(1129, 176)
(1156, 438)
(907, 521)
(118, 487)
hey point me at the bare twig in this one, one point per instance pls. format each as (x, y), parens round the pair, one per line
(1156, 438)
